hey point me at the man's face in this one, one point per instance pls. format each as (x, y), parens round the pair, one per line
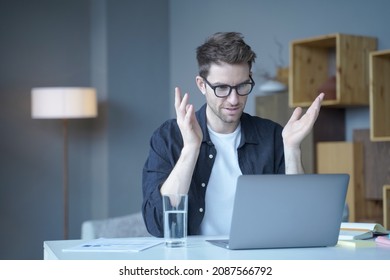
(223, 114)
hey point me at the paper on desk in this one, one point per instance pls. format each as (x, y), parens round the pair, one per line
(114, 245)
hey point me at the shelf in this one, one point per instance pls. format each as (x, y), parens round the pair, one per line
(380, 95)
(386, 206)
(376, 163)
(345, 157)
(336, 61)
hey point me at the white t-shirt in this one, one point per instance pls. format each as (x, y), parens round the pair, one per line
(222, 183)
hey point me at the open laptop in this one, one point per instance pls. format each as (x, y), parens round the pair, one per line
(286, 211)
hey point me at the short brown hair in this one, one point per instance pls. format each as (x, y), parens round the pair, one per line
(228, 47)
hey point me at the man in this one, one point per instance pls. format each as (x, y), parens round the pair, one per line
(202, 153)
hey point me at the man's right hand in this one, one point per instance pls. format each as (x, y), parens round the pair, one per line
(187, 122)
(179, 180)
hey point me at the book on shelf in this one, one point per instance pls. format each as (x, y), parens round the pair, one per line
(383, 240)
(360, 231)
(356, 243)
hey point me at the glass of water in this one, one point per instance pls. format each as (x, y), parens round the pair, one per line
(175, 219)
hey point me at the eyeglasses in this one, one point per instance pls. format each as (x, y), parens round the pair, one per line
(225, 90)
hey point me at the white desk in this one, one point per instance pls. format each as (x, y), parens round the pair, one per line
(199, 249)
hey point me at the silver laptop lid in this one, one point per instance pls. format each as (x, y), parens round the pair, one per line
(282, 211)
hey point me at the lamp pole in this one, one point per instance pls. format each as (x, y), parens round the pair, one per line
(65, 180)
(64, 103)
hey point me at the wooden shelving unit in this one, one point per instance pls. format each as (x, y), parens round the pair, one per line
(345, 157)
(380, 95)
(386, 206)
(314, 61)
(350, 70)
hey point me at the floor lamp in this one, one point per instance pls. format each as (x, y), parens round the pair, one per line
(64, 103)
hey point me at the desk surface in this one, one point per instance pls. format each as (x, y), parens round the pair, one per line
(199, 249)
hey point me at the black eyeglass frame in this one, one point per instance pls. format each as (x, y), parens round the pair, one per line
(252, 83)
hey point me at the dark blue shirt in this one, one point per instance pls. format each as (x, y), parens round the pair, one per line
(260, 152)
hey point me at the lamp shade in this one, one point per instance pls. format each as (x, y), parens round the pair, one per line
(63, 102)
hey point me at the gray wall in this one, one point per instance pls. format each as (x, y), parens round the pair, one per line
(134, 52)
(121, 48)
(138, 85)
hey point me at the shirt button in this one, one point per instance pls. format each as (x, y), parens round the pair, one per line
(211, 156)
(201, 210)
(203, 185)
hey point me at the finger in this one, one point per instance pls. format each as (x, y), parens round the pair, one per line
(316, 105)
(296, 114)
(184, 103)
(189, 112)
(180, 103)
(177, 97)
(312, 113)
